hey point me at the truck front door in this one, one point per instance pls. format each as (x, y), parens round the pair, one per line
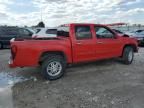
(107, 43)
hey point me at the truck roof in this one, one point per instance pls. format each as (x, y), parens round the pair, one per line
(82, 24)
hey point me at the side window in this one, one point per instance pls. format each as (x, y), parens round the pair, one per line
(83, 32)
(139, 31)
(27, 33)
(24, 32)
(103, 33)
(51, 31)
(21, 31)
(63, 31)
(3, 31)
(9, 31)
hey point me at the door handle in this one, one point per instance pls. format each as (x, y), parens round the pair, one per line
(99, 42)
(78, 43)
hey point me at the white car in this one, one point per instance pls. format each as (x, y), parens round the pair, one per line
(45, 32)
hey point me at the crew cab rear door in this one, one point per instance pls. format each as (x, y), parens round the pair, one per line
(83, 43)
(107, 43)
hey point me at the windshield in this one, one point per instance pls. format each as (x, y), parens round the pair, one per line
(38, 30)
(139, 31)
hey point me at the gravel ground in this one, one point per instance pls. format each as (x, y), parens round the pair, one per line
(102, 84)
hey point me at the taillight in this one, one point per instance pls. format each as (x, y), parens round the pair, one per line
(13, 51)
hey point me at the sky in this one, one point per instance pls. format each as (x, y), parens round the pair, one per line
(56, 12)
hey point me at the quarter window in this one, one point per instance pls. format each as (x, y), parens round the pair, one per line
(63, 31)
(103, 33)
(83, 32)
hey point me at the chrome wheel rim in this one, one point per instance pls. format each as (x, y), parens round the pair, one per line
(54, 68)
(130, 56)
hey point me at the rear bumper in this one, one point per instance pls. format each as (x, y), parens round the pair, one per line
(11, 63)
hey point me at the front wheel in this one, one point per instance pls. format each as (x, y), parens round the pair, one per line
(128, 55)
(53, 67)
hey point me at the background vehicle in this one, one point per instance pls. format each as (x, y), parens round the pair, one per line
(122, 33)
(45, 32)
(139, 35)
(7, 33)
(31, 30)
(118, 31)
(74, 43)
(37, 29)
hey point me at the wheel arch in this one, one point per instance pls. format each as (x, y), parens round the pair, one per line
(130, 45)
(45, 54)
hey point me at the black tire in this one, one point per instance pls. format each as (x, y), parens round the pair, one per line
(128, 55)
(48, 62)
(1, 46)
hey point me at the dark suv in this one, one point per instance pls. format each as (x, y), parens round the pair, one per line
(7, 33)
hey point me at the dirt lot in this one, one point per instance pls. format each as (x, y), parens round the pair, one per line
(103, 84)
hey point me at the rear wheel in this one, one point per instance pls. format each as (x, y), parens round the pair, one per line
(128, 55)
(53, 67)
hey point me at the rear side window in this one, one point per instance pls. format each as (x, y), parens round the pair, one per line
(51, 31)
(83, 32)
(63, 31)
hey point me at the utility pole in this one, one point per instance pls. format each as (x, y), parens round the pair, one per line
(41, 13)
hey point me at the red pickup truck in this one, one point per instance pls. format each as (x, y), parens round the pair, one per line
(74, 43)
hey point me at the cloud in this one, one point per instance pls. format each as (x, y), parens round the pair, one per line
(3, 15)
(55, 12)
(130, 12)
